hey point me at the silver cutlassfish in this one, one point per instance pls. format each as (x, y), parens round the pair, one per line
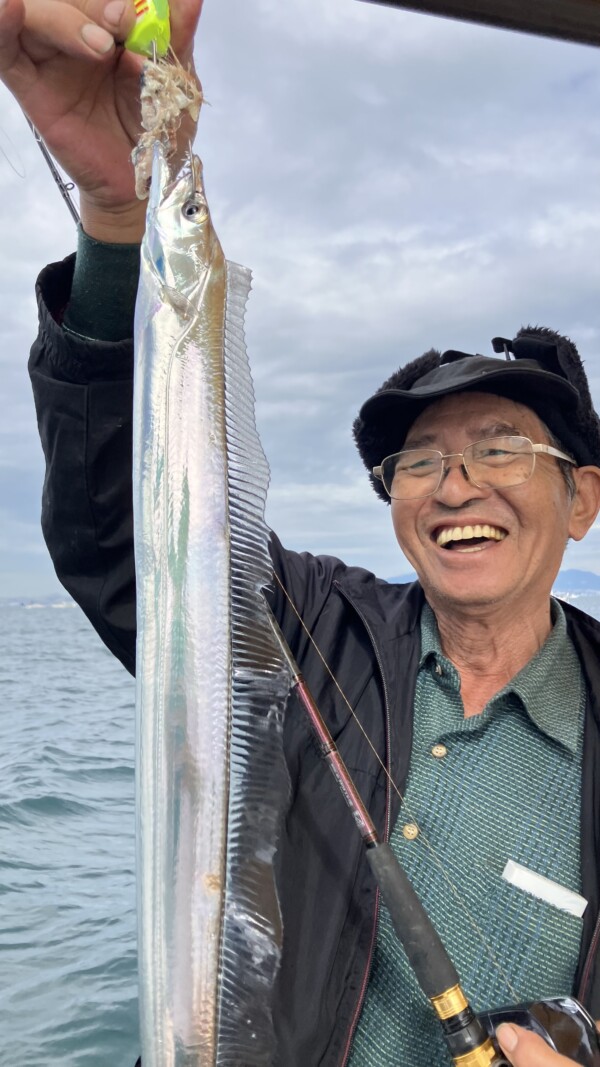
(211, 683)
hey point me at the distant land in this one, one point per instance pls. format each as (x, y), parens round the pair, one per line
(574, 581)
(567, 581)
(54, 600)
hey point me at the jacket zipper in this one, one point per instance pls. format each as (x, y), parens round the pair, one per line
(585, 977)
(365, 981)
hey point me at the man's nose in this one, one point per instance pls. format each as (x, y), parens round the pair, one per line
(456, 486)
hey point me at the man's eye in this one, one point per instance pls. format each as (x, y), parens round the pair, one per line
(495, 454)
(418, 466)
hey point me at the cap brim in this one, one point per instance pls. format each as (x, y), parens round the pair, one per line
(537, 389)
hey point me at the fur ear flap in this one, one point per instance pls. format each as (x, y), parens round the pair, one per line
(405, 377)
(586, 428)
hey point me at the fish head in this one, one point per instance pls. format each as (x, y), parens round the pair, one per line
(180, 244)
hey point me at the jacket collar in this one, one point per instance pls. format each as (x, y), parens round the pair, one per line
(390, 611)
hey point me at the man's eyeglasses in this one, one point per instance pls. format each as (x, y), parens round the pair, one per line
(497, 463)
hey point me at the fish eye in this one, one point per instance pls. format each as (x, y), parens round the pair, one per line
(192, 208)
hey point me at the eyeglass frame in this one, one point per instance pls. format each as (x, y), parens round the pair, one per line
(549, 450)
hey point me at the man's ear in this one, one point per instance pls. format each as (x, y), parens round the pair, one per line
(586, 502)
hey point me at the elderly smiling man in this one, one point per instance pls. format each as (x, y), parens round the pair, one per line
(491, 466)
(479, 692)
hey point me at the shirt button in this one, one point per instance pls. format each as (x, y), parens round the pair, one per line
(410, 831)
(439, 751)
(439, 669)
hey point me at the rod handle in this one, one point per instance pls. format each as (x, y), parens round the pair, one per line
(426, 954)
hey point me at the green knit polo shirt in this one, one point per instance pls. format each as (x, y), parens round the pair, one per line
(501, 785)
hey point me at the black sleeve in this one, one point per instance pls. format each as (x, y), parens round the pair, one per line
(83, 396)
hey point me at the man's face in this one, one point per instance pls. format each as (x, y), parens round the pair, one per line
(529, 523)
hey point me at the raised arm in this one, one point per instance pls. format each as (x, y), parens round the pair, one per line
(63, 63)
(83, 396)
(81, 91)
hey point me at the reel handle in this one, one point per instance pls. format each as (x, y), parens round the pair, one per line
(562, 1022)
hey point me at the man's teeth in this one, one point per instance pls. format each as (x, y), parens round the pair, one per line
(467, 533)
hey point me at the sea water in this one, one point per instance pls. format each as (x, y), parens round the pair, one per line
(68, 995)
(68, 991)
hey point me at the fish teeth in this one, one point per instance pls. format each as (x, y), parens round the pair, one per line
(467, 533)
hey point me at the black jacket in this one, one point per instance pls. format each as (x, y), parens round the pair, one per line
(368, 632)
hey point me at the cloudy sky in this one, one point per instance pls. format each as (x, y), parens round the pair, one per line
(395, 181)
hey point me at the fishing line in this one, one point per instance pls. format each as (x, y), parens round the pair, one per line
(20, 173)
(437, 859)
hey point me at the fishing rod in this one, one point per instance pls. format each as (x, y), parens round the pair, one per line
(65, 188)
(563, 1023)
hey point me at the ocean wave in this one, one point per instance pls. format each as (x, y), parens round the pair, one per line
(28, 810)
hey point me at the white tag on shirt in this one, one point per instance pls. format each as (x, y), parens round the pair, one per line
(544, 889)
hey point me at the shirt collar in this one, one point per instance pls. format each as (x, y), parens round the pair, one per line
(549, 687)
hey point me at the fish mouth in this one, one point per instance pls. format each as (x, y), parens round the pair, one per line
(468, 537)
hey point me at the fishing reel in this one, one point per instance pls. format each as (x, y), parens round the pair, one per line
(471, 1039)
(562, 1022)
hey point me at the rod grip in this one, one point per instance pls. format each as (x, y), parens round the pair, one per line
(427, 956)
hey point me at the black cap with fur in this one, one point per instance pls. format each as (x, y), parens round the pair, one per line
(546, 374)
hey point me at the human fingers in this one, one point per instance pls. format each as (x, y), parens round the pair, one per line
(86, 30)
(12, 18)
(525, 1049)
(38, 30)
(117, 16)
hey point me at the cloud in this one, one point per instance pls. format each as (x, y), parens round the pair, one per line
(392, 188)
(344, 514)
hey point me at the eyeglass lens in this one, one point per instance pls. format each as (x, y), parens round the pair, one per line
(500, 462)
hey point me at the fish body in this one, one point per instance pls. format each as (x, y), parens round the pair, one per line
(211, 684)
